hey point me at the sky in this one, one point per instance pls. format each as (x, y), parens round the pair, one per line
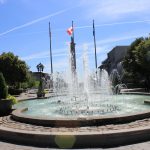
(24, 29)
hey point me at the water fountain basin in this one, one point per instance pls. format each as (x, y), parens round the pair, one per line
(20, 116)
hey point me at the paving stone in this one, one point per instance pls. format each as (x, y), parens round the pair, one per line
(9, 146)
(9, 123)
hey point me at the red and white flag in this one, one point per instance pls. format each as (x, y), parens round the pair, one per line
(70, 30)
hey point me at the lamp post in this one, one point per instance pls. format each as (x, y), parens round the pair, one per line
(40, 68)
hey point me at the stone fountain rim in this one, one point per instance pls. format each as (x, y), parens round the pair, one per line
(82, 139)
(79, 121)
(18, 115)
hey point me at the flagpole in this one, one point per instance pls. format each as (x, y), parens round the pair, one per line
(73, 31)
(95, 45)
(51, 60)
(50, 46)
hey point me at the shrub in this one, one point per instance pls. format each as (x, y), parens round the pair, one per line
(40, 92)
(3, 87)
(12, 98)
(46, 91)
(14, 91)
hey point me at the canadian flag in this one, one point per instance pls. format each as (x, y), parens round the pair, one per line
(70, 30)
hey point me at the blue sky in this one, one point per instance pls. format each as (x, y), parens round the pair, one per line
(24, 28)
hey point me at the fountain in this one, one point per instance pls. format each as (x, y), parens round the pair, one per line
(89, 98)
(78, 99)
(79, 114)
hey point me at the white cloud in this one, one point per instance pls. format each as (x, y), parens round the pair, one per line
(115, 23)
(34, 21)
(101, 46)
(60, 65)
(119, 38)
(147, 21)
(115, 9)
(35, 56)
(45, 54)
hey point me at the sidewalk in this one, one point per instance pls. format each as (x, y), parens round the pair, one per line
(26, 96)
(140, 90)
(9, 146)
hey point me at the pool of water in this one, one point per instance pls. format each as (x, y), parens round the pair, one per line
(96, 105)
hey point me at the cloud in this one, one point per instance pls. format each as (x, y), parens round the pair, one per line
(115, 23)
(45, 54)
(115, 9)
(60, 65)
(147, 21)
(119, 38)
(101, 45)
(33, 21)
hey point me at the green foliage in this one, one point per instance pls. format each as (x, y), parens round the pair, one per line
(3, 87)
(142, 57)
(40, 87)
(137, 61)
(24, 85)
(13, 99)
(14, 91)
(41, 92)
(37, 84)
(30, 83)
(13, 69)
(129, 63)
(115, 82)
(131, 79)
(46, 91)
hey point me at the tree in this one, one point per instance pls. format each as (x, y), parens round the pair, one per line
(129, 61)
(3, 87)
(137, 61)
(142, 57)
(14, 70)
(32, 82)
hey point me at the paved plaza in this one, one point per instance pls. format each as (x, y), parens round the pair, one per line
(8, 146)
(7, 122)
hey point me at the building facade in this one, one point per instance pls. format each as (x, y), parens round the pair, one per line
(46, 76)
(113, 62)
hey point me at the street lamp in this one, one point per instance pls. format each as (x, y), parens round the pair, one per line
(40, 67)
